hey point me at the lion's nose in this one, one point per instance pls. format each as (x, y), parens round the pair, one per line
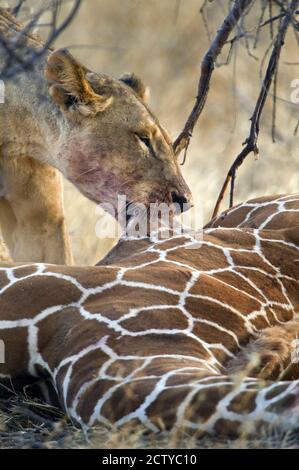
(182, 200)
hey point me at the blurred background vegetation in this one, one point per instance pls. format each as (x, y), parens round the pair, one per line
(164, 42)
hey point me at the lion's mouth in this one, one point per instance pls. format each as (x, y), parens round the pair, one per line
(150, 215)
(134, 211)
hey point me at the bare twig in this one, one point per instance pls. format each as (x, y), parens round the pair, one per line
(251, 141)
(205, 20)
(270, 6)
(274, 102)
(15, 11)
(207, 67)
(19, 55)
(260, 24)
(257, 29)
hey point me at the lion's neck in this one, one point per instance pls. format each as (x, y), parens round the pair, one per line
(33, 125)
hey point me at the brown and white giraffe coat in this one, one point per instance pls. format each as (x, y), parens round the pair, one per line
(153, 334)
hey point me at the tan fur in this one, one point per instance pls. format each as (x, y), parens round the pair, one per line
(61, 117)
(269, 356)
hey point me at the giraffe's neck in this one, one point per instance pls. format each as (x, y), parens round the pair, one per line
(165, 324)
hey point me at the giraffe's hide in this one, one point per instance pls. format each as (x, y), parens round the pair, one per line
(175, 332)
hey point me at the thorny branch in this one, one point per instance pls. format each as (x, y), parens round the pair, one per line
(251, 141)
(261, 25)
(19, 55)
(207, 67)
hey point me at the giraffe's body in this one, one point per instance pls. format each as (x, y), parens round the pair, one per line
(153, 333)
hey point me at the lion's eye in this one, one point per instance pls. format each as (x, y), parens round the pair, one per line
(146, 141)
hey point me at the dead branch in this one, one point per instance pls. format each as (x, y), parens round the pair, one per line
(258, 28)
(207, 67)
(251, 141)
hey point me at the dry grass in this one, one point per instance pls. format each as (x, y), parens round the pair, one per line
(26, 423)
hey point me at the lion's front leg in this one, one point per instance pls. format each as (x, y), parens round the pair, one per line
(31, 213)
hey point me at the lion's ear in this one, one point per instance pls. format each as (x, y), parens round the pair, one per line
(136, 84)
(69, 86)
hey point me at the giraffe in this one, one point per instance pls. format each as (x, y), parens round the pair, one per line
(170, 333)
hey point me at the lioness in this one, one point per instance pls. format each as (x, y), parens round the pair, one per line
(96, 130)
